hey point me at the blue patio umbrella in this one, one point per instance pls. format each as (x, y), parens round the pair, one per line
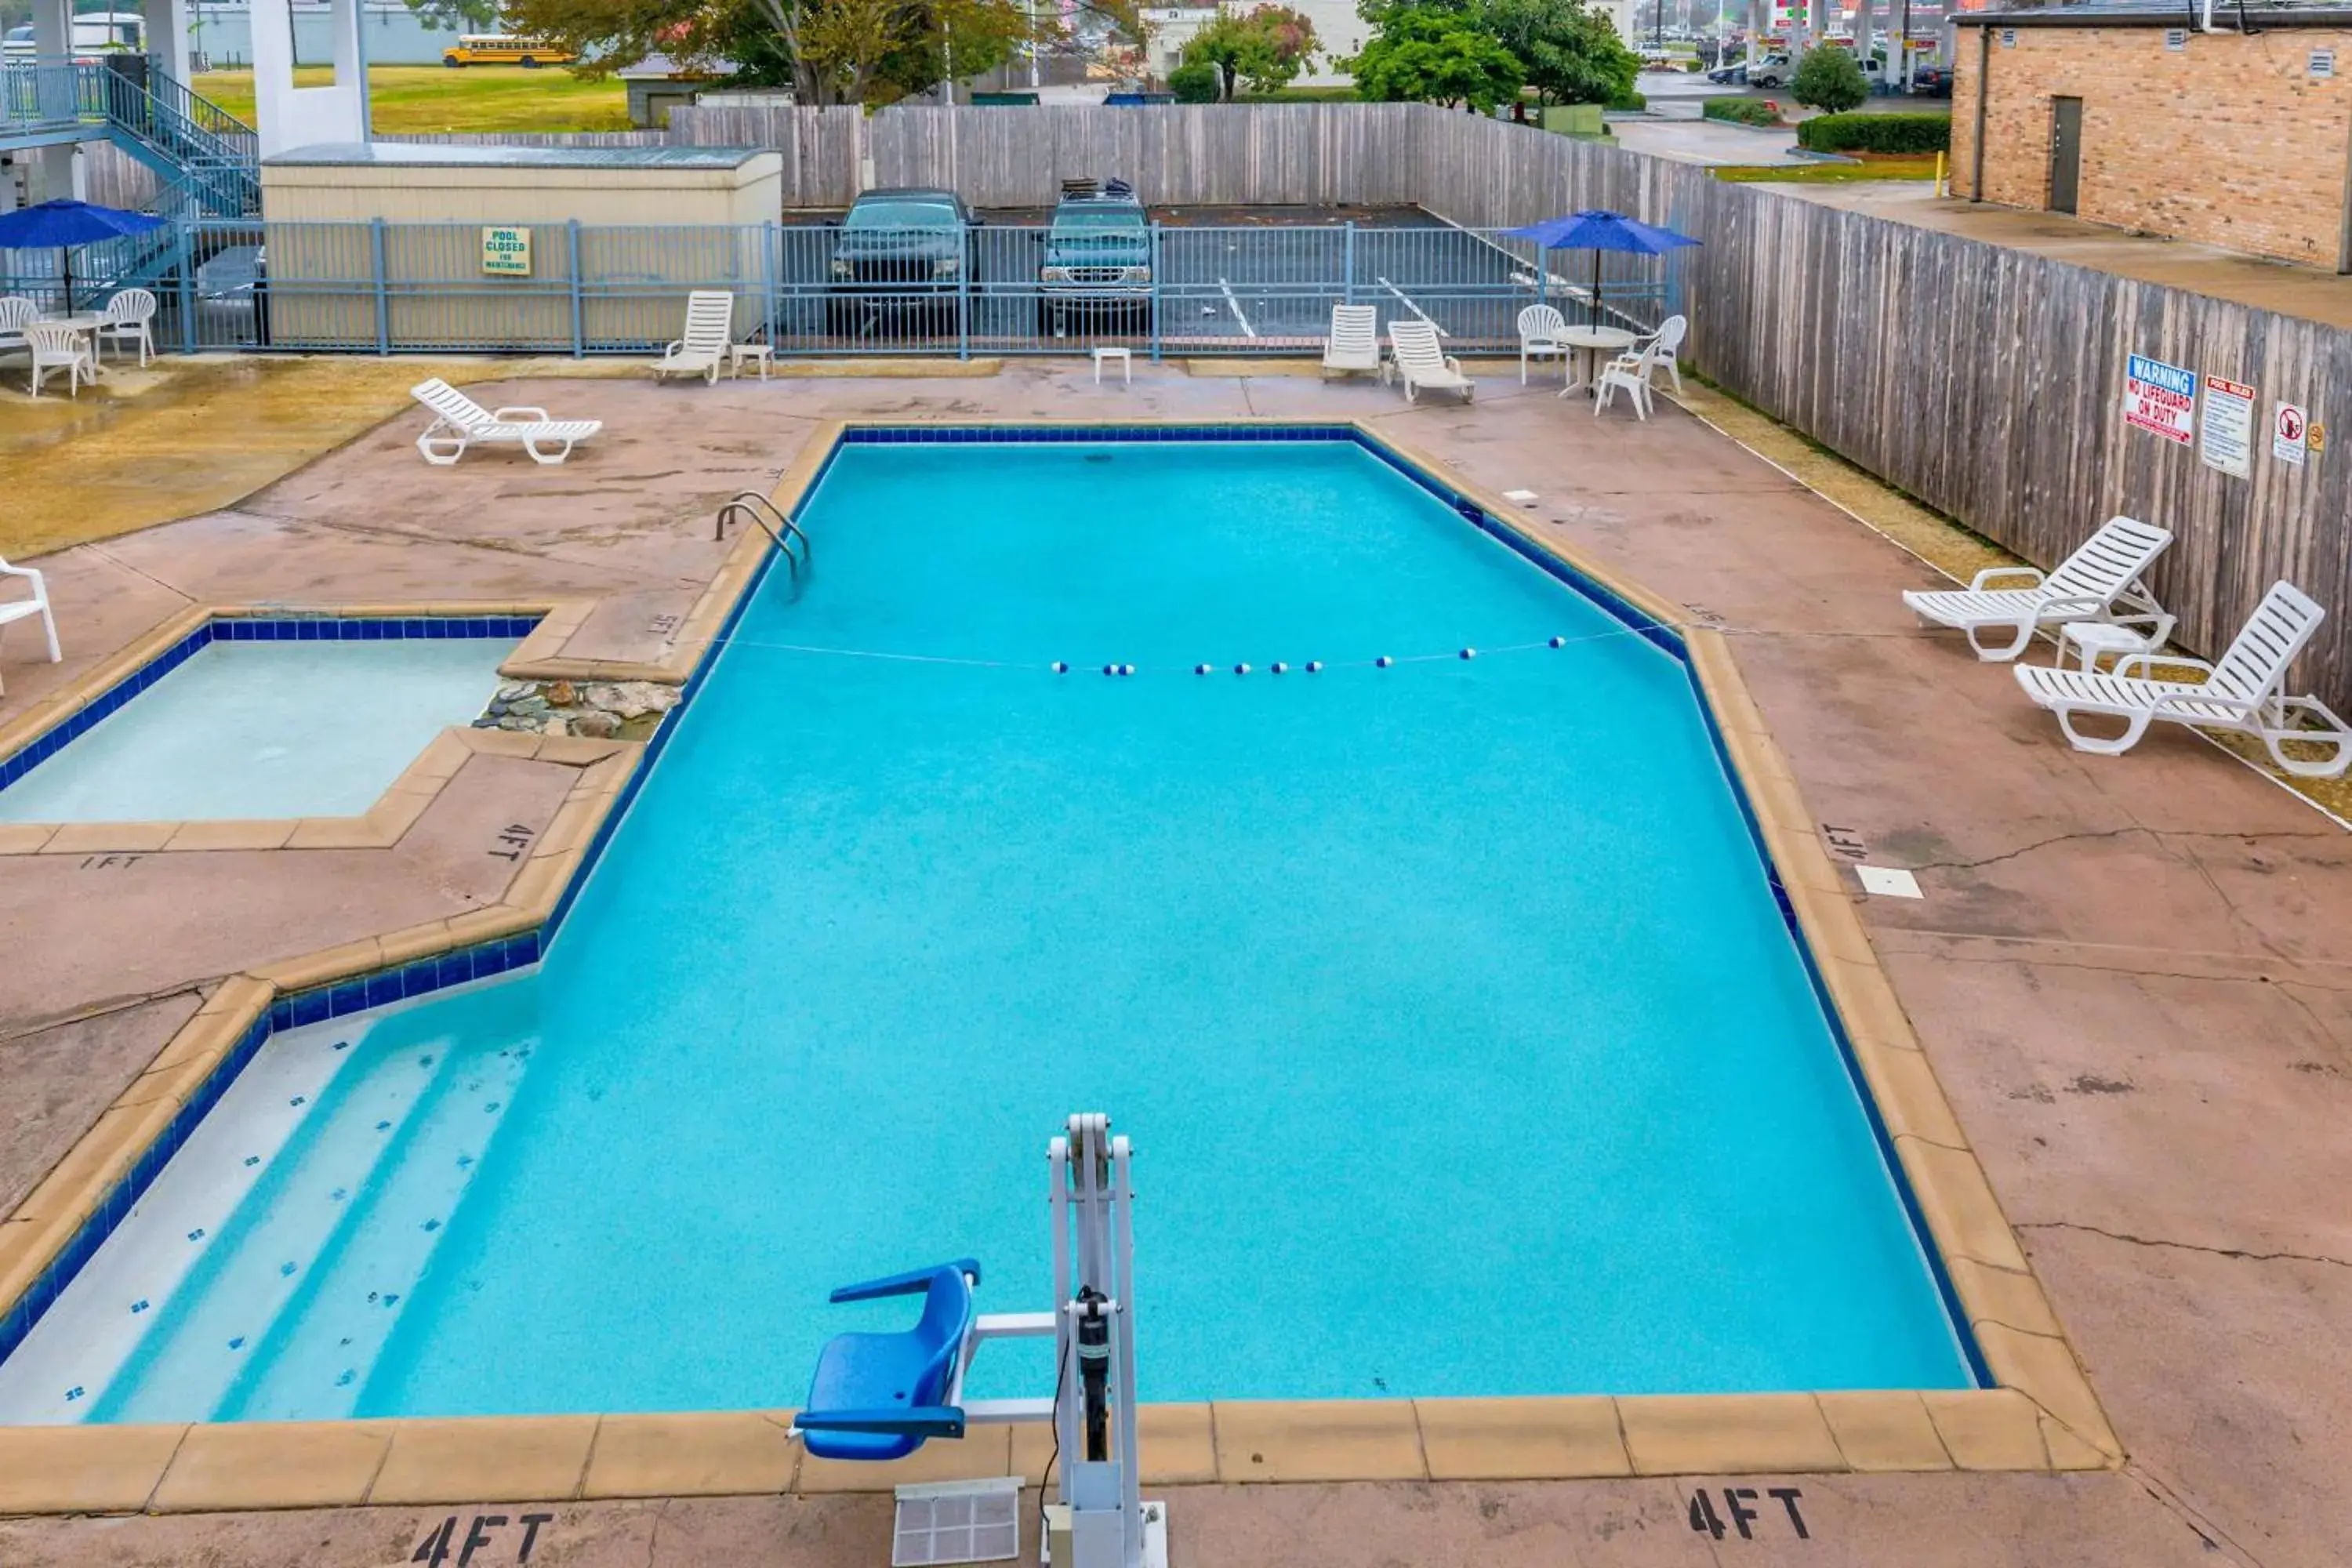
(63, 224)
(1597, 230)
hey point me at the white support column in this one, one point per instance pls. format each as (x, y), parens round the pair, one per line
(167, 36)
(52, 48)
(288, 116)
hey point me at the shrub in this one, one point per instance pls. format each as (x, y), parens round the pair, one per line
(1195, 81)
(1877, 133)
(1830, 79)
(1743, 111)
(1628, 102)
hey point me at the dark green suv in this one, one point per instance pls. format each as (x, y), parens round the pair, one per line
(1098, 262)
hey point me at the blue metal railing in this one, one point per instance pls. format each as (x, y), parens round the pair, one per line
(155, 117)
(393, 287)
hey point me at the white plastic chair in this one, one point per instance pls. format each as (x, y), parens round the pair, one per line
(1540, 329)
(710, 328)
(56, 347)
(1354, 346)
(2087, 585)
(459, 422)
(1421, 363)
(38, 605)
(127, 319)
(2243, 692)
(1629, 370)
(1666, 345)
(15, 311)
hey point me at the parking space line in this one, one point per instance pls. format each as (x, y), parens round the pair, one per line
(1235, 305)
(1409, 305)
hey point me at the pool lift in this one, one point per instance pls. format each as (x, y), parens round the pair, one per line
(882, 1396)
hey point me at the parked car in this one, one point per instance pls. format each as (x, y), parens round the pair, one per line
(1097, 265)
(1772, 70)
(1931, 81)
(900, 253)
(1734, 75)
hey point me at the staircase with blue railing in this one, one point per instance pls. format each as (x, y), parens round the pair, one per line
(204, 157)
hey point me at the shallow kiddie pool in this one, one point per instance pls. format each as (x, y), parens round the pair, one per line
(259, 717)
(1464, 1044)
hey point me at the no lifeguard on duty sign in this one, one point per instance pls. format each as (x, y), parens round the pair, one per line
(2160, 397)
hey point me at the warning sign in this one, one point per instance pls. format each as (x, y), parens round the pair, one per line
(2226, 439)
(2160, 397)
(2289, 433)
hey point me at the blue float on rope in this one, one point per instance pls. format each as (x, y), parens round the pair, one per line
(1560, 642)
(1280, 667)
(1314, 667)
(1240, 669)
(1385, 661)
(1200, 669)
(1060, 667)
(1469, 653)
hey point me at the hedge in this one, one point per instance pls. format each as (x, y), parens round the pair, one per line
(1743, 111)
(1628, 102)
(1875, 134)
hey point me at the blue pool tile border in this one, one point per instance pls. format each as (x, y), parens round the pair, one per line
(272, 626)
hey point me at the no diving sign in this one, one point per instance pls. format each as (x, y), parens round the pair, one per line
(2289, 433)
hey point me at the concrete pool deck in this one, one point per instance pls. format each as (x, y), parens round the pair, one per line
(2108, 952)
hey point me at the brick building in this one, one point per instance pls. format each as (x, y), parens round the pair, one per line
(2220, 124)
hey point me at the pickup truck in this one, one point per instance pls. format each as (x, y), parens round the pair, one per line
(1098, 261)
(899, 253)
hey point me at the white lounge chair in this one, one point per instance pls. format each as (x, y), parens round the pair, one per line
(1630, 371)
(38, 605)
(709, 329)
(1354, 346)
(459, 422)
(2243, 692)
(127, 318)
(59, 347)
(1421, 363)
(1540, 329)
(2087, 585)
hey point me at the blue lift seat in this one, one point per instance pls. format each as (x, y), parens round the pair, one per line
(882, 1396)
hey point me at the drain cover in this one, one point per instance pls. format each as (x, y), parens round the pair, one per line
(957, 1521)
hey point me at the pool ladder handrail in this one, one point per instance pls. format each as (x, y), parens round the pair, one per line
(760, 508)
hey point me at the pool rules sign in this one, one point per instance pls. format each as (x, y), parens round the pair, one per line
(2160, 398)
(2226, 439)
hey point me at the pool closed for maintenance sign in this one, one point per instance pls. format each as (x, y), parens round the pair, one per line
(506, 252)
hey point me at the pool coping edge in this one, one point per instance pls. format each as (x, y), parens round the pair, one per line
(2042, 1417)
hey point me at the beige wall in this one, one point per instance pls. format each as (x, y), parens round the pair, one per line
(2230, 141)
(751, 193)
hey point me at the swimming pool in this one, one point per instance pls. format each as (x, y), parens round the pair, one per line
(263, 717)
(1464, 1045)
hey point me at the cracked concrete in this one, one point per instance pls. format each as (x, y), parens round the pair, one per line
(2168, 921)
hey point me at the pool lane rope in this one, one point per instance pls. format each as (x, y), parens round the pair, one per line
(1122, 669)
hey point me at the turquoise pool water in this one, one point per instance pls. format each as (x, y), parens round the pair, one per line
(1463, 1045)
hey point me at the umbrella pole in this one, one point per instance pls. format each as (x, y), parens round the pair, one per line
(1596, 287)
(65, 265)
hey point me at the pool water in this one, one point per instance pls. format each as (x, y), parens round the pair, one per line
(264, 729)
(1464, 1048)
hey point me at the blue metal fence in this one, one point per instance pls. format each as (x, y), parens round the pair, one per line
(391, 287)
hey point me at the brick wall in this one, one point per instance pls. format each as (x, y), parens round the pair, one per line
(2231, 140)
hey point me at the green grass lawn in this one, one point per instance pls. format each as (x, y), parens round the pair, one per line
(1886, 167)
(418, 98)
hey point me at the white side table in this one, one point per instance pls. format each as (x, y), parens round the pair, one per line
(764, 353)
(1126, 358)
(2096, 640)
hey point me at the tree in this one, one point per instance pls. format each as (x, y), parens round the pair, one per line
(1427, 53)
(1573, 54)
(830, 51)
(1830, 79)
(1195, 81)
(1266, 47)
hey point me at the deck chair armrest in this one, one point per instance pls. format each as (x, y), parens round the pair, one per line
(2172, 660)
(26, 572)
(913, 1283)
(2080, 607)
(519, 413)
(674, 348)
(924, 1420)
(1978, 583)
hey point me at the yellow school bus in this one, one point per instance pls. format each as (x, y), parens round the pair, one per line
(503, 49)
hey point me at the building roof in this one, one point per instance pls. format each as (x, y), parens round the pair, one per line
(446, 155)
(661, 67)
(2229, 15)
